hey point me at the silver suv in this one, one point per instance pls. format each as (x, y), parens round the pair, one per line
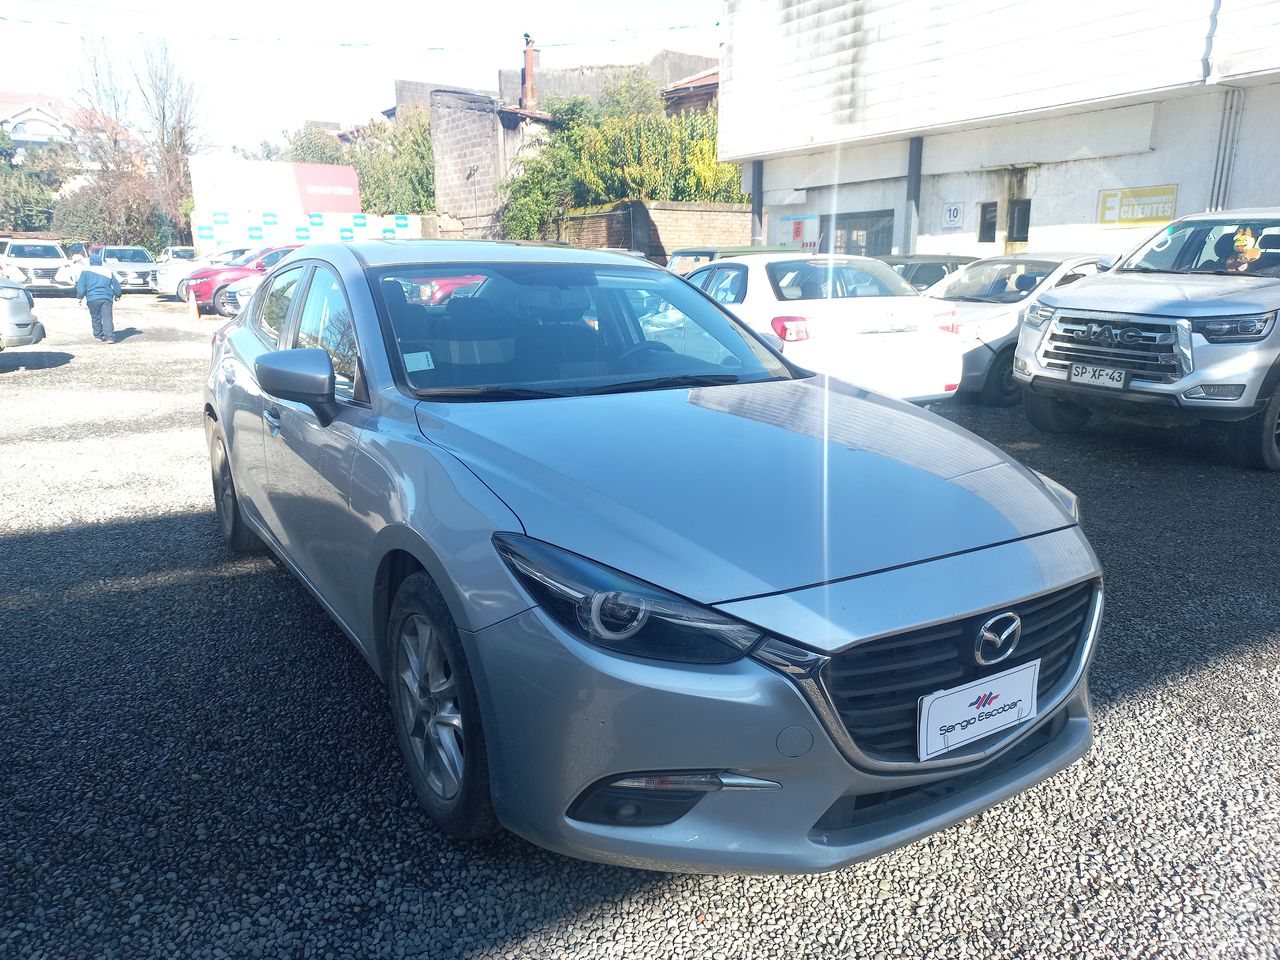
(1182, 329)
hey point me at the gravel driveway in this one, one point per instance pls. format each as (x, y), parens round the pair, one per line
(194, 762)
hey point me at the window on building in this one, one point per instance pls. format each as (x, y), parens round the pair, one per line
(866, 234)
(1019, 220)
(987, 223)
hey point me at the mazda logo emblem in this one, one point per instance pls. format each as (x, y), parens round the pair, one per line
(997, 638)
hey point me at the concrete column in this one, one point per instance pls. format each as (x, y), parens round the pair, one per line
(757, 203)
(911, 226)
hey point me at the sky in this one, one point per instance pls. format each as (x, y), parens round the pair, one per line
(288, 62)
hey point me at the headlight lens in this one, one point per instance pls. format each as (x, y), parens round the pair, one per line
(11, 293)
(1062, 494)
(614, 611)
(1037, 313)
(1235, 329)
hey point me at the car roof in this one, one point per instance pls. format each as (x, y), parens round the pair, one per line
(386, 253)
(925, 258)
(794, 255)
(1055, 257)
(1244, 213)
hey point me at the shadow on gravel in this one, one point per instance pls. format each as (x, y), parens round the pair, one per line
(16, 359)
(192, 754)
(126, 333)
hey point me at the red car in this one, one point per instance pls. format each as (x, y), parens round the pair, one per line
(208, 287)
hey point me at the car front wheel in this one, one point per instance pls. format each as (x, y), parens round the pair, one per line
(1255, 443)
(1053, 415)
(1000, 388)
(220, 303)
(226, 503)
(436, 712)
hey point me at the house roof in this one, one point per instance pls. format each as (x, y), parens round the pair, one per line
(705, 78)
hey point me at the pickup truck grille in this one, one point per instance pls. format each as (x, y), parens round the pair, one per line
(42, 273)
(1146, 348)
(876, 687)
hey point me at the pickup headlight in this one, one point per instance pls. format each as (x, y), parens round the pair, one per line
(1235, 329)
(611, 610)
(1037, 313)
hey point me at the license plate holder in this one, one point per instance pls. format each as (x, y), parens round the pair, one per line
(1112, 378)
(950, 718)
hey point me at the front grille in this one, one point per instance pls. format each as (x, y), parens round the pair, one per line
(876, 687)
(43, 273)
(1146, 357)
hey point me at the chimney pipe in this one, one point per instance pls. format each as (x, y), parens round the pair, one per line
(528, 92)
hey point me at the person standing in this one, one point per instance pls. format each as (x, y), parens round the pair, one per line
(97, 285)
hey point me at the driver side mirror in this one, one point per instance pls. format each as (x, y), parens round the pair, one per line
(1106, 263)
(302, 376)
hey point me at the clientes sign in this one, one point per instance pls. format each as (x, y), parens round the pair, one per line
(1137, 206)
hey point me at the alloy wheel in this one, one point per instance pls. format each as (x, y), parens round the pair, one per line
(430, 709)
(226, 496)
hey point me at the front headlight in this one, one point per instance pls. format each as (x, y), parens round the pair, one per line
(1062, 495)
(1235, 329)
(11, 293)
(1037, 313)
(611, 610)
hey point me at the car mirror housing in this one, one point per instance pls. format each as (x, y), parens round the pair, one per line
(1106, 263)
(302, 376)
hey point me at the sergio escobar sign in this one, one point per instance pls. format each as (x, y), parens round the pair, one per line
(1137, 206)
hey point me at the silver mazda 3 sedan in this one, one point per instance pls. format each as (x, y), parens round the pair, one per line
(641, 591)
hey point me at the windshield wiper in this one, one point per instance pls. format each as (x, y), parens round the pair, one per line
(1147, 270)
(485, 393)
(1233, 273)
(662, 383)
(971, 299)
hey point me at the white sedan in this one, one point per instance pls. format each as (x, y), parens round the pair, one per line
(853, 318)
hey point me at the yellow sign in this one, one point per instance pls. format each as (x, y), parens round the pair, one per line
(1137, 207)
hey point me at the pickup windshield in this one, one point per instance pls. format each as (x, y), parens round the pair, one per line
(126, 255)
(1228, 246)
(528, 331)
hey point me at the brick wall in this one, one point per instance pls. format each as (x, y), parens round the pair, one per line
(655, 227)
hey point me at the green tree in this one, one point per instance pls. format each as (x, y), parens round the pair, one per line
(600, 154)
(313, 144)
(28, 189)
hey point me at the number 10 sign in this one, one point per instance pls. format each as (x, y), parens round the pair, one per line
(953, 215)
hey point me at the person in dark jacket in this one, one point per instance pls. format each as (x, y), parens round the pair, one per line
(98, 286)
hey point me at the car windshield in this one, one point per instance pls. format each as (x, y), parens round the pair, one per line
(532, 330)
(682, 263)
(831, 278)
(246, 258)
(35, 251)
(183, 253)
(993, 281)
(1250, 248)
(126, 255)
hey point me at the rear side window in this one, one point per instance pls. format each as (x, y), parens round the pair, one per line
(273, 310)
(326, 323)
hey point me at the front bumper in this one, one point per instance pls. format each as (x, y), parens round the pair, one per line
(561, 716)
(1256, 366)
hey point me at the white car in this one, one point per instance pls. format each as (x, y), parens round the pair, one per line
(239, 292)
(34, 264)
(18, 324)
(171, 273)
(853, 318)
(989, 297)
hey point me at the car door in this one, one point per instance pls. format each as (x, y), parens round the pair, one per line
(309, 465)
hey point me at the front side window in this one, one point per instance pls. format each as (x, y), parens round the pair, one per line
(274, 309)
(729, 285)
(326, 323)
(833, 279)
(274, 257)
(1229, 247)
(997, 280)
(528, 330)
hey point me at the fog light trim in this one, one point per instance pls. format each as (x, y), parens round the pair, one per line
(1215, 391)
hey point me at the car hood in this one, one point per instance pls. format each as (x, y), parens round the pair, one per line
(721, 493)
(1169, 295)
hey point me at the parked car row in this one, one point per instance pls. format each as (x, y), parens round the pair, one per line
(47, 266)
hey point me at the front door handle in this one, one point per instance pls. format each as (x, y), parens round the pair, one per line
(271, 417)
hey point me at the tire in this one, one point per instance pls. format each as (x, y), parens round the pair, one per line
(226, 502)
(1000, 389)
(181, 290)
(436, 712)
(1053, 415)
(220, 302)
(1255, 443)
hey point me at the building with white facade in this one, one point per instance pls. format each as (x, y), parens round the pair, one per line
(985, 127)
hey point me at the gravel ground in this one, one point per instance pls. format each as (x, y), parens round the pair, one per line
(194, 762)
